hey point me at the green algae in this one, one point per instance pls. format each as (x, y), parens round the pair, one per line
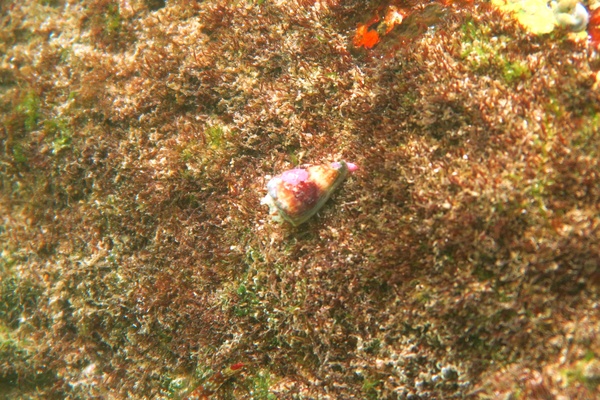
(485, 52)
(29, 108)
(60, 132)
(18, 154)
(113, 18)
(584, 372)
(215, 136)
(260, 384)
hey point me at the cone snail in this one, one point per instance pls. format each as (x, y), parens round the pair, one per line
(297, 194)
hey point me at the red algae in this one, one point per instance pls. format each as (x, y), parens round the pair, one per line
(365, 38)
(593, 28)
(369, 34)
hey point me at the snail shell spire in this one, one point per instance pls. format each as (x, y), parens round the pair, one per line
(297, 194)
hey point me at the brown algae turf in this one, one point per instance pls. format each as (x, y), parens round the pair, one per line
(460, 260)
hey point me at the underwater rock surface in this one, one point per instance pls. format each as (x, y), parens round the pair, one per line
(135, 261)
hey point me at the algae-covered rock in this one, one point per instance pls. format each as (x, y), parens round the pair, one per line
(136, 261)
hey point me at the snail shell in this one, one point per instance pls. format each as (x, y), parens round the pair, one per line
(570, 14)
(297, 194)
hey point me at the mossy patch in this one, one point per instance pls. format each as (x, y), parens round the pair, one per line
(484, 52)
(60, 134)
(29, 108)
